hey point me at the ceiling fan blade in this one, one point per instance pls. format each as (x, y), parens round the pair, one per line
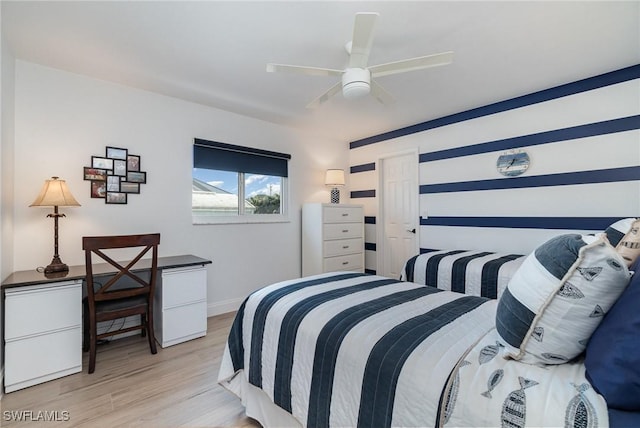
(325, 97)
(411, 64)
(297, 69)
(362, 39)
(380, 94)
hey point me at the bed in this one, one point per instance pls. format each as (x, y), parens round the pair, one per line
(479, 273)
(352, 349)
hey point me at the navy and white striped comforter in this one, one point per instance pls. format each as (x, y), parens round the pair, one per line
(478, 273)
(350, 349)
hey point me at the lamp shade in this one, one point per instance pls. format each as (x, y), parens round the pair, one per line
(55, 193)
(334, 177)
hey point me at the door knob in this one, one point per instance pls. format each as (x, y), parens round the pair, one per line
(412, 230)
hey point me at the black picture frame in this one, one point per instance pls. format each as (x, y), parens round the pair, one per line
(133, 163)
(120, 167)
(98, 189)
(95, 174)
(137, 177)
(113, 183)
(116, 153)
(116, 198)
(100, 162)
(115, 175)
(127, 187)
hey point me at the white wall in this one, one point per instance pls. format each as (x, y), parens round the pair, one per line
(6, 170)
(594, 154)
(62, 119)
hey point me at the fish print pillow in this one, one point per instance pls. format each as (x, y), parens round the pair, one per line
(557, 298)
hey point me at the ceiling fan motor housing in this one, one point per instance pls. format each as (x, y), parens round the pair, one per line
(356, 82)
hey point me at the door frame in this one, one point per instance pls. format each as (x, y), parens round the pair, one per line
(380, 241)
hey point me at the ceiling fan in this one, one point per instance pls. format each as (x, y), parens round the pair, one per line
(357, 78)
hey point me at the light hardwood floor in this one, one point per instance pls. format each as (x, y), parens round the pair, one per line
(177, 387)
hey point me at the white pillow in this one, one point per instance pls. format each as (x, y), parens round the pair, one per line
(557, 298)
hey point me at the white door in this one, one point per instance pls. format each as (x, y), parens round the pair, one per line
(399, 213)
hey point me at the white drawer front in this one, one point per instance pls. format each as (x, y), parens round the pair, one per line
(39, 310)
(184, 321)
(341, 247)
(343, 230)
(342, 214)
(42, 355)
(350, 262)
(182, 286)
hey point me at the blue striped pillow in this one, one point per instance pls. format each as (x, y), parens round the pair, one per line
(617, 230)
(558, 296)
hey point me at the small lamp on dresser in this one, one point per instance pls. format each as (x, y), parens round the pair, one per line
(334, 178)
(55, 193)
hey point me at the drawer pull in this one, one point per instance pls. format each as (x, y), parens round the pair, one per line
(345, 247)
(345, 214)
(345, 230)
(345, 263)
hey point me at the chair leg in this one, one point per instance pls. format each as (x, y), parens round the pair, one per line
(143, 331)
(151, 336)
(93, 341)
(85, 326)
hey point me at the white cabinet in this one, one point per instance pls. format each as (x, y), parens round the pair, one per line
(43, 333)
(180, 305)
(332, 238)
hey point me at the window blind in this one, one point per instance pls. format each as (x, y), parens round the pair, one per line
(228, 157)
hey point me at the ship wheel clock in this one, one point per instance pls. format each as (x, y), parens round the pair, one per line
(512, 164)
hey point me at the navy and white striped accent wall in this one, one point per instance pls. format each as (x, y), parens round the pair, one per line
(583, 139)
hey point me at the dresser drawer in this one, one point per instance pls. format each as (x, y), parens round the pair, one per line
(340, 247)
(343, 214)
(40, 309)
(183, 323)
(348, 262)
(40, 358)
(182, 286)
(343, 230)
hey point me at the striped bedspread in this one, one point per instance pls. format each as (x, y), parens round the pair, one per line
(351, 349)
(477, 273)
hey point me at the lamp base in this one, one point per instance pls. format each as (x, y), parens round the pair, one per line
(56, 266)
(335, 195)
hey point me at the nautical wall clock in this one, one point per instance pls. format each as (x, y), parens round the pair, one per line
(513, 163)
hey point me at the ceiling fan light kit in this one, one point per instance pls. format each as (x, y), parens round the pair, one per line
(356, 83)
(357, 76)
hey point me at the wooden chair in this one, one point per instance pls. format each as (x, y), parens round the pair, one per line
(127, 293)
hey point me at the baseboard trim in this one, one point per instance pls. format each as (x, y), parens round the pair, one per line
(223, 307)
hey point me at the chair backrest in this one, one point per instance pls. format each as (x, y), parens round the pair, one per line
(112, 289)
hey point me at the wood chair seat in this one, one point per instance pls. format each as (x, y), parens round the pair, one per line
(106, 309)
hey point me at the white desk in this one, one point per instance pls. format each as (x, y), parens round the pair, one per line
(43, 316)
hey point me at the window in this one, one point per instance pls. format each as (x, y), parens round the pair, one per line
(237, 184)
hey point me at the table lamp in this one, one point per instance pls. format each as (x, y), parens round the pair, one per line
(55, 193)
(335, 178)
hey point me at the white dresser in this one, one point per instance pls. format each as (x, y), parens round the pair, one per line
(332, 238)
(180, 305)
(42, 333)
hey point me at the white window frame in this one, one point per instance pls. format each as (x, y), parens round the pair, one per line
(242, 217)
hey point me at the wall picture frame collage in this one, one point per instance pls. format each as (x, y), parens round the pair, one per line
(115, 175)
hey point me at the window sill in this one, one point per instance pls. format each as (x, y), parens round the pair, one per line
(254, 219)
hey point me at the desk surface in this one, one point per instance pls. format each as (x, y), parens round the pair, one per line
(33, 277)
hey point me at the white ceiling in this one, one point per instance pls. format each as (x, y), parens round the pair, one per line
(215, 52)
